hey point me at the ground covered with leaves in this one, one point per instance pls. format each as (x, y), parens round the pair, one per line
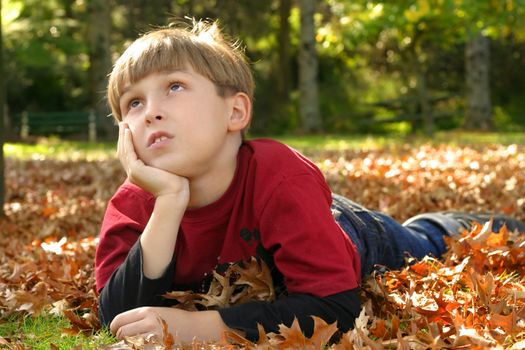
(474, 297)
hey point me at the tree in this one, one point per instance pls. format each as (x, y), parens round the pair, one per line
(100, 61)
(359, 52)
(283, 36)
(2, 100)
(481, 20)
(46, 56)
(309, 112)
(478, 113)
(139, 16)
(410, 34)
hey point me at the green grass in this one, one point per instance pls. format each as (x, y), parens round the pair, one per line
(343, 142)
(40, 332)
(58, 149)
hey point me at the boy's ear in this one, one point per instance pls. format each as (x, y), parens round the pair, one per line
(241, 112)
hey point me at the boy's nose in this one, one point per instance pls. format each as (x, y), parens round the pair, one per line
(156, 117)
(153, 114)
(151, 118)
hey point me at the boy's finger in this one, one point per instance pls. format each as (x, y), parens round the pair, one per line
(130, 322)
(125, 146)
(129, 148)
(120, 142)
(121, 320)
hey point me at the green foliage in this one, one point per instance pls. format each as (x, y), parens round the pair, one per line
(45, 56)
(369, 51)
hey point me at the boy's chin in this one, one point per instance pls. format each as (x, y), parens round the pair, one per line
(170, 168)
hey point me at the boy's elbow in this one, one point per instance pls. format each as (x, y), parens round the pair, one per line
(106, 309)
(105, 318)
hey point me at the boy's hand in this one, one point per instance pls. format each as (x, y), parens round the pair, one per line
(156, 181)
(186, 325)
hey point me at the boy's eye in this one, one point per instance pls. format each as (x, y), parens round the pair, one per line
(134, 103)
(175, 87)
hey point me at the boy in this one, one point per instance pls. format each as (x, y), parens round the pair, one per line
(198, 195)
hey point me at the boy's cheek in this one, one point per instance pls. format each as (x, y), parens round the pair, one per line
(135, 138)
(137, 144)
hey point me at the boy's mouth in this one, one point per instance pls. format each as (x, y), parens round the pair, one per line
(158, 137)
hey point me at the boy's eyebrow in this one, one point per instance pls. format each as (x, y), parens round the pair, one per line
(127, 87)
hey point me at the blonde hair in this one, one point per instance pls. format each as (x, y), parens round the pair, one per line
(201, 45)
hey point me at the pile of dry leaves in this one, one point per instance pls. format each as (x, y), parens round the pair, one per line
(474, 297)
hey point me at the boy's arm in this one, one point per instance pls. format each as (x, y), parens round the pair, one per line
(172, 195)
(139, 290)
(342, 307)
(186, 325)
(149, 264)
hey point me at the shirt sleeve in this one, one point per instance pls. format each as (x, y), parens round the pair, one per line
(342, 307)
(126, 216)
(129, 288)
(118, 259)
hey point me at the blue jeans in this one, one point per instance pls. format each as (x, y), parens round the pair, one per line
(380, 240)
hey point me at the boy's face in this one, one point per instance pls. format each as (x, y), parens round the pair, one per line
(178, 121)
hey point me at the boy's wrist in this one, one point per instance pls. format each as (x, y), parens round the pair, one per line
(210, 323)
(173, 200)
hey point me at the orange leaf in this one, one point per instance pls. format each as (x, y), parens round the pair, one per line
(167, 337)
(289, 337)
(508, 323)
(421, 268)
(498, 239)
(378, 329)
(322, 333)
(48, 211)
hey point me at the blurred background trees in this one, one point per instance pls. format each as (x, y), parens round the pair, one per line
(2, 117)
(326, 65)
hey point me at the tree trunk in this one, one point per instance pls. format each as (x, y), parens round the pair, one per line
(308, 70)
(2, 124)
(100, 64)
(423, 102)
(477, 64)
(284, 70)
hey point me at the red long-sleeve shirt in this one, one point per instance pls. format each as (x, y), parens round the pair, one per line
(278, 201)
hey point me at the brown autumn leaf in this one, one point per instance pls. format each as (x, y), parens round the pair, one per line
(241, 282)
(230, 338)
(255, 280)
(291, 337)
(87, 323)
(219, 294)
(186, 299)
(167, 338)
(322, 333)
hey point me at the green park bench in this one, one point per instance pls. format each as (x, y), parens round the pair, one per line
(405, 109)
(56, 123)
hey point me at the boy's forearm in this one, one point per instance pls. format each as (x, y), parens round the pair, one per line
(342, 307)
(140, 291)
(159, 236)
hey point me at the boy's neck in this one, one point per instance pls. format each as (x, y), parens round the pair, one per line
(208, 189)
